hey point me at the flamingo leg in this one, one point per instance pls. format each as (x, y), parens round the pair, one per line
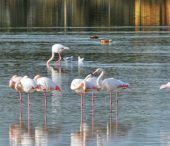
(59, 59)
(28, 111)
(116, 107)
(92, 111)
(110, 101)
(82, 108)
(45, 109)
(20, 97)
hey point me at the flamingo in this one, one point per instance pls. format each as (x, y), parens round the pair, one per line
(15, 79)
(82, 86)
(28, 86)
(57, 48)
(45, 84)
(165, 86)
(110, 84)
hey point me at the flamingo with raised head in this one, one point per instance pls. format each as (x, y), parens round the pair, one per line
(110, 84)
(57, 48)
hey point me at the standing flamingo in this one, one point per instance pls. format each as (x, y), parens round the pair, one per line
(45, 85)
(82, 86)
(28, 86)
(110, 84)
(15, 79)
(57, 48)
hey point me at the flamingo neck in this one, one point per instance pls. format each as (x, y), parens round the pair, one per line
(100, 79)
(52, 56)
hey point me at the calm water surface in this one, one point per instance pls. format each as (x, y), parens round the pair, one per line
(143, 113)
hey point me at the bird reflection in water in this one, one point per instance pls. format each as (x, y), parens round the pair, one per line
(22, 135)
(99, 134)
(56, 111)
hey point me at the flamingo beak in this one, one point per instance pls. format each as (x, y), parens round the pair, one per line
(57, 88)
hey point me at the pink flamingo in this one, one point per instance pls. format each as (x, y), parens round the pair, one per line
(28, 86)
(45, 85)
(110, 84)
(79, 86)
(82, 86)
(57, 48)
(15, 79)
(88, 84)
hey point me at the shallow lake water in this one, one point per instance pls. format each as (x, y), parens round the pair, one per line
(143, 112)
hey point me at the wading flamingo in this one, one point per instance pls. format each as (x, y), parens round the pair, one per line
(45, 84)
(110, 84)
(28, 86)
(165, 86)
(15, 79)
(57, 48)
(82, 86)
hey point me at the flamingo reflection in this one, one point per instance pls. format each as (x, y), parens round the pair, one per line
(27, 135)
(20, 134)
(98, 133)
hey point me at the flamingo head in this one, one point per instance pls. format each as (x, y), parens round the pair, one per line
(37, 76)
(57, 88)
(97, 72)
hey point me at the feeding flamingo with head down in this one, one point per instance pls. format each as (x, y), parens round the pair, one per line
(57, 48)
(110, 84)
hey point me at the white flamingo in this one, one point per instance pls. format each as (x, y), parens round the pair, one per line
(110, 84)
(82, 86)
(28, 86)
(57, 48)
(45, 84)
(15, 79)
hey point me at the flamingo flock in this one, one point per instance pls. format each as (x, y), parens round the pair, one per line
(93, 82)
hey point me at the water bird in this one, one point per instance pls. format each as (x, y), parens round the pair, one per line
(80, 60)
(82, 86)
(94, 37)
(165, 86)
(105, 41)
(110, 84)
(57, 48)
(45, 84)
(28, 86)
(13, 80)
(68, 58)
